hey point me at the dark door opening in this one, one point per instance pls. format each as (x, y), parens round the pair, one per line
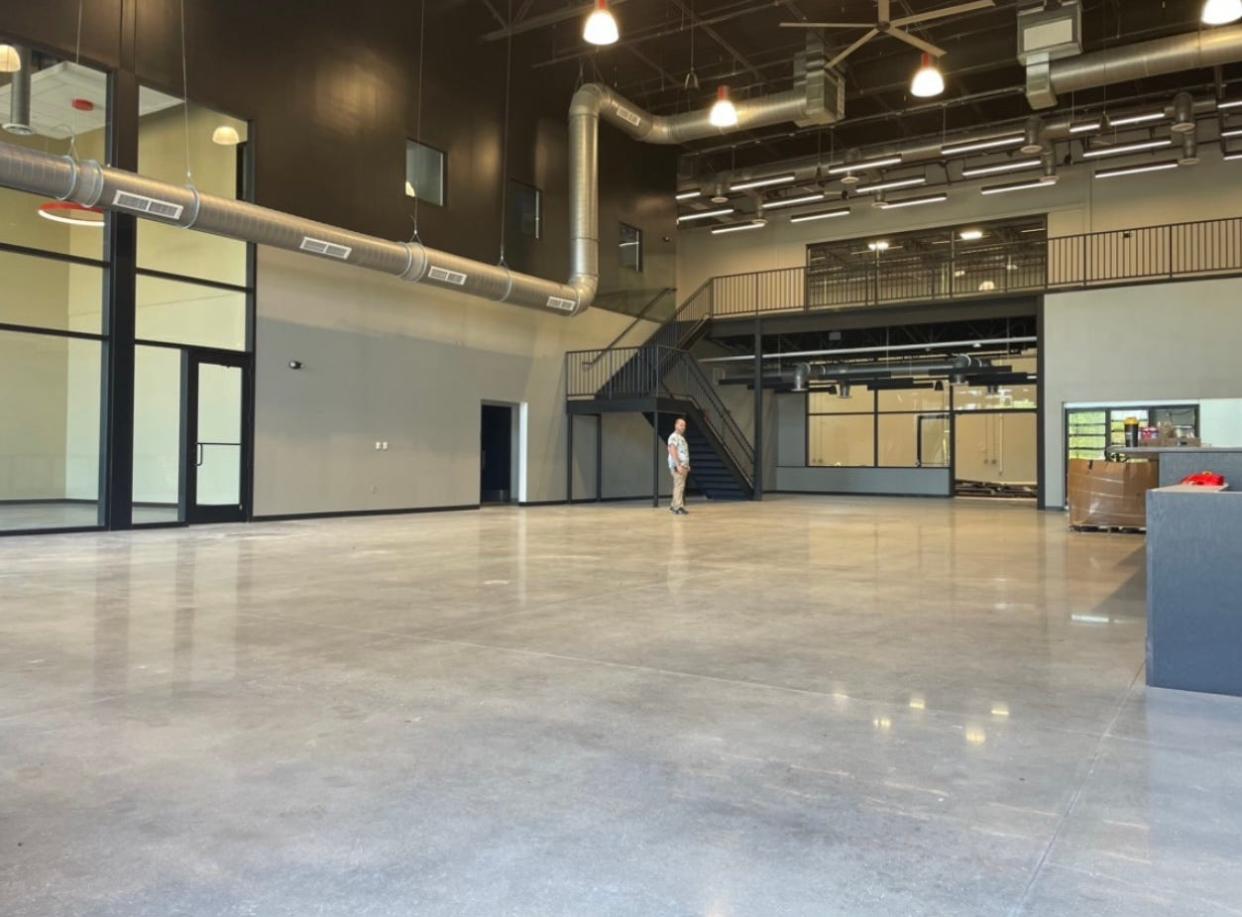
(496, 454)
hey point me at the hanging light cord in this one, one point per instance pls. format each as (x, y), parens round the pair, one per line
(185, 100)
(504, 142)
(418, 118)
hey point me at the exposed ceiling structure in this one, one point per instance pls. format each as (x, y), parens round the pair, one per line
(671, 56)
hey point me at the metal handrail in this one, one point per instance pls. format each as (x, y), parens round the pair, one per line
(642, 314)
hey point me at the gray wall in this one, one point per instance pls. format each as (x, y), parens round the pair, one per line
(388, 360)
(1148, 343)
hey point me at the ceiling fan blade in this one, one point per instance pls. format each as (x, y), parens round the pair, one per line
(854, 47)
(909, 39)
(827, 25)
(947, 11)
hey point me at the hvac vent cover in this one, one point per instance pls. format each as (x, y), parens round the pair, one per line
(320, 247)
(444, 275)
(564, 305)
(143, 204)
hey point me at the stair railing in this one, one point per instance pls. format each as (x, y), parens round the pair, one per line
(642, 314)
(682, 377)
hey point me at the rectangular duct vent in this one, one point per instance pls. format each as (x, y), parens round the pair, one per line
(626, 115)
(165, 209)
(320, 247)
(457, 278)
(564, 305)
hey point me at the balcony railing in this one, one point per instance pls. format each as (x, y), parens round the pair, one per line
(1171, 252)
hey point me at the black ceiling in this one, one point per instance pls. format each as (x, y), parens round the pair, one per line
(741, 42)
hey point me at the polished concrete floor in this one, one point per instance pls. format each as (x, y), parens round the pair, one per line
(811, 706)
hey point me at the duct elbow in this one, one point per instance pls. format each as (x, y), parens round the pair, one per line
(585, 287)
(589, 100)
(802, 372)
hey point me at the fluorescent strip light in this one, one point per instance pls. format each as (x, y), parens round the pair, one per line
(1018, 186)
(914, 201)
(739, 227)
(970, 147)
(1135, 119)
(820, 215)
(1084, 127)
(862, 166)
(1232, 156)
(1232, 132)
(704, 214)
(768, 182)
(1232, 103)
(1137, 169)
(1033, 229)
(970, 235)
(889, 185)
(793, 201)
(689, 195)
(1126, 148)
(1015, 166)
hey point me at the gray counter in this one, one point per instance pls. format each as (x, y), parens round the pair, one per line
(1194, 589)
(1178, 461)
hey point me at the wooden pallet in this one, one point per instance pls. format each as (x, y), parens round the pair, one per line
(1112, 529)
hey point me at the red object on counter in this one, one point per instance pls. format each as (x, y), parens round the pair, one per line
(1205, 479)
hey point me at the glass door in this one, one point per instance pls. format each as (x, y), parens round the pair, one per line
(215, 393)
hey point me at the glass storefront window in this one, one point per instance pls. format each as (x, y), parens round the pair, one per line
(183, 312)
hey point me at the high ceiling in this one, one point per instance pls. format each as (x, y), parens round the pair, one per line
(740, 42)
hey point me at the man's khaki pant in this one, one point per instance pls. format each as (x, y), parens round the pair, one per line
(679, 489)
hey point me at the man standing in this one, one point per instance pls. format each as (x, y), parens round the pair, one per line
(679, 465)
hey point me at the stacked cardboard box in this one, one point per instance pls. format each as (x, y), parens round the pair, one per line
(1110, 493)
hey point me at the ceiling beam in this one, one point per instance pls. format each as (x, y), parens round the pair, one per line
(543, 19)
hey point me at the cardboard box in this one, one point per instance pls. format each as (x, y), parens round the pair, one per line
(1110, 493)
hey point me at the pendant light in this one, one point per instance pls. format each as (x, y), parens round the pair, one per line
(928, 80)
(723, 114)
(72, 213)
(600, 27)
(10, 60)
(1221, 12)
(226, 135)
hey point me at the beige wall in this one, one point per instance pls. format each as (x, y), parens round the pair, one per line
(1078, 203)
(386, 360)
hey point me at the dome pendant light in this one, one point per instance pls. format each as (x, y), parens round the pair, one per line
(723, 114)
(600, 27)
(226, 135)
(1221, 12)
(928, 81)
(10, 60)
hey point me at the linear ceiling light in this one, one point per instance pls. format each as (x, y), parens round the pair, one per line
(1042, 182)
(704, 214)
(970, 235)
(972, 146)
(1232, 132)
(600, 27)
(1137, 169)
(793, 201)
(739, 227)
(823, 215)
(1099, 151)
(689, 195)
(1083, 127)
(1232, 103)
(767, 182)
(914, 201)
(863, 166)
(1232, 156)
(1016, 165)
(1135, 119)
(889, 185)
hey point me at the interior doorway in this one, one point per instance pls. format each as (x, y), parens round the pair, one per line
(498, 453)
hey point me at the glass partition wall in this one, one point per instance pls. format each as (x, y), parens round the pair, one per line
(193, 297)
(52, 308)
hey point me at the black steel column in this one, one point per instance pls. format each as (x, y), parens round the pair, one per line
(569, 458)
(655, 465)
(117, 415)
(599, 457)
(758, 472)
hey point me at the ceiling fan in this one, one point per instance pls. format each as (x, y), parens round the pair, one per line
(894, 27)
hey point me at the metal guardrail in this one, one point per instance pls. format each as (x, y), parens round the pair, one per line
(654, 371)
(1170, 252)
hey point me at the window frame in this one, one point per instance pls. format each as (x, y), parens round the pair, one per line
(444, 180)
(637, 268)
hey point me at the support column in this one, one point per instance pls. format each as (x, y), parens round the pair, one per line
(599, 458)
(569, 458)
(758, 382)
(116, 467)
(655, 464)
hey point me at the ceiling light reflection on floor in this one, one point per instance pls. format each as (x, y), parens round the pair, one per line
(976, 736)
